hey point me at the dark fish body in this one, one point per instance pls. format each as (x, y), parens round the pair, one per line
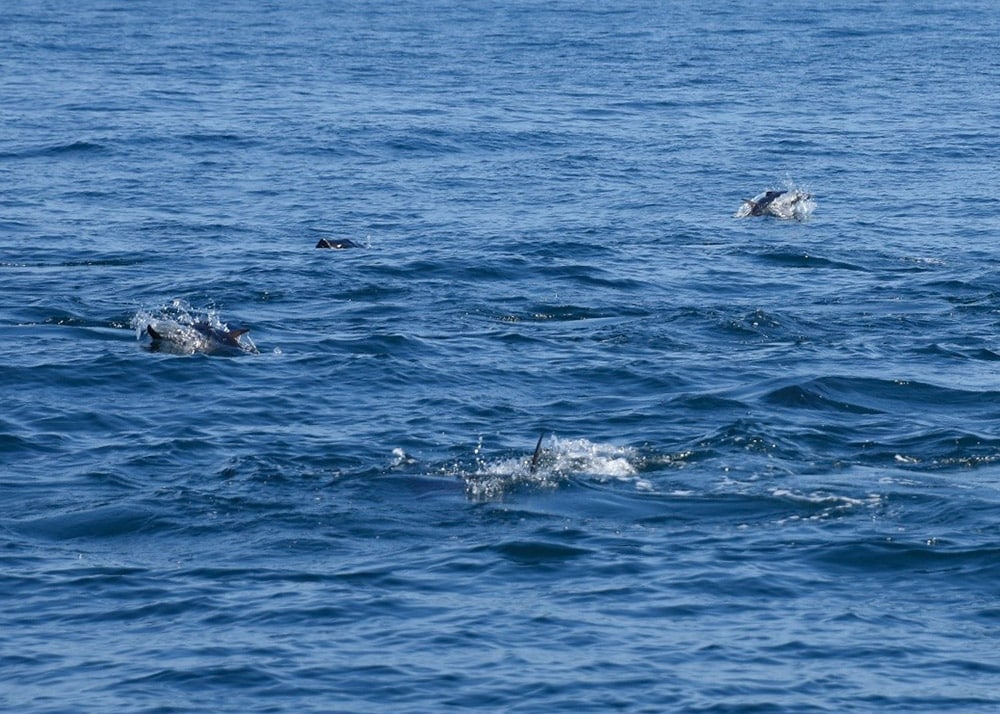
(337, 243)
(780, 204)
(197, 337)
(759, 207)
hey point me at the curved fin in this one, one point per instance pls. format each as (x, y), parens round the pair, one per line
(536, 457)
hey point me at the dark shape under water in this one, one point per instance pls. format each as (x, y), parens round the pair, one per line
(337, 243)
(198, 337)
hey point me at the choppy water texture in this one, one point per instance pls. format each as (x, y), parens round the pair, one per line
(769, 474)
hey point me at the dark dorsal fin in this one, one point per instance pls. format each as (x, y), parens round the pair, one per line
(337, 243)
(153, 333)
(235, 334)
(537, 455)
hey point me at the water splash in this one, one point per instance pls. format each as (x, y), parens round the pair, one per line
(188, 330)
(793, 203)
(560, 461)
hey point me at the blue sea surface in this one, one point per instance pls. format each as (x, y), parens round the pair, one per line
(769, 471)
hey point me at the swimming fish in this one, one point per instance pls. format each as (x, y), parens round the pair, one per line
(337, 243)
(780, 204)
(198, 337)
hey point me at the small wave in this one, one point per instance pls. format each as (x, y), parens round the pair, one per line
(99, 522)
(217, 138)
(864, 395)
(825, 500)
(813, 395)
(964, 461)
(73, 147)
(537, 552)
(755, 322)
(787, 505)
(426, 143)
(792, 259)
(983, 354)
(925, 556)
(569, 313)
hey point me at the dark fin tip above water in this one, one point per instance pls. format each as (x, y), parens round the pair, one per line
(337, 243)
(153, 333)
(536, 457)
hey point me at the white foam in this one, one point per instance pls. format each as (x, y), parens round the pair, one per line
(821, 498)
(176, 322)
(830, 504)
(561, 460)
(795, 203)
(400, 458)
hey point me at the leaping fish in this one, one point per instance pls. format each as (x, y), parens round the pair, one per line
(780, 204)
(198, 337)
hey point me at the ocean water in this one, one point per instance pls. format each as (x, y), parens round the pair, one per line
(769, 474)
